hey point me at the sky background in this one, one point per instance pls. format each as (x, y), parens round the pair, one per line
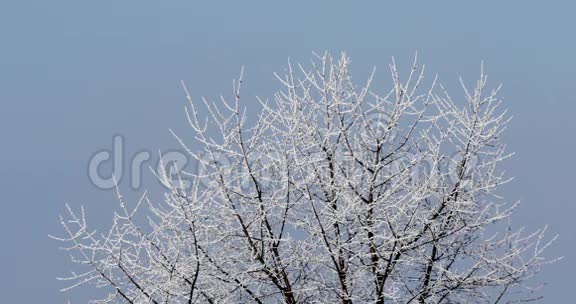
(73, 74)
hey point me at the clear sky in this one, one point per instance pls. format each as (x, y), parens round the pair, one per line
(75, 73)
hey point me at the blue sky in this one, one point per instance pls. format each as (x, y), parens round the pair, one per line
(73, 74)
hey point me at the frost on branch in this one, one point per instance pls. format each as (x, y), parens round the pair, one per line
(335, 194)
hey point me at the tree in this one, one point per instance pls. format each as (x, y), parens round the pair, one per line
(335, 194)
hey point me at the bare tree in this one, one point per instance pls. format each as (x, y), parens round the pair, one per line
(333, 194)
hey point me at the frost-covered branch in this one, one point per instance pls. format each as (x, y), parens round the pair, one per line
(333, 192)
